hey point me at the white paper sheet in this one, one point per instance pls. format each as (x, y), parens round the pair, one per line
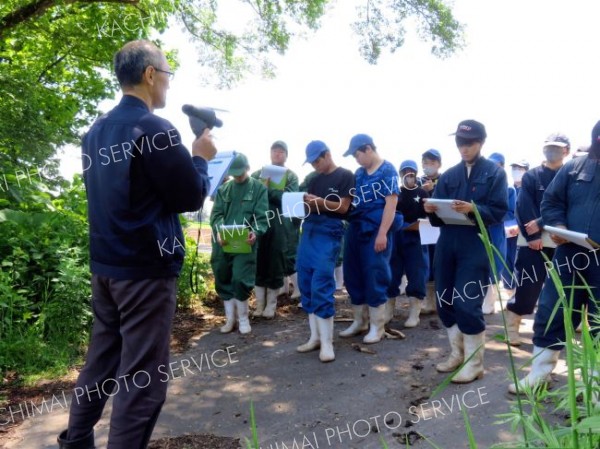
(273, 172)
(579, 238)
(217, 169)
(449, 215)
(429, 234)
(292, 205)
(546, 240)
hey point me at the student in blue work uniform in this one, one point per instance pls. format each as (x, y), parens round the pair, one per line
(431, 162)
(498, 238)
(530, 271)
(328, 198)
(409, 256)
(461, 264)
(570, 202)
(369, 238)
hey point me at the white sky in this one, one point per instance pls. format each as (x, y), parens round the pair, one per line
(528, 70)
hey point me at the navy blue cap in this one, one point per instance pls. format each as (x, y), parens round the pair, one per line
(358, 141)
(314, 150)
(432, 154)
(470, 129)
(498, 158)
(409, 164)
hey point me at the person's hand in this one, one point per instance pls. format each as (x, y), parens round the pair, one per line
(532, 227)
(221, 241)
(427, 185)
(429, 208)
(204, 146)
(251, 240)
(462, 206)
(380, 243)
(310, 197)
(513, 231)
(556, 239)
(536, 245)
(266, 181)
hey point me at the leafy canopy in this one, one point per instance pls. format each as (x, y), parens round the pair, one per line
(55, 55)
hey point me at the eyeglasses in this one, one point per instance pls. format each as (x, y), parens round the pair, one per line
(170, 74)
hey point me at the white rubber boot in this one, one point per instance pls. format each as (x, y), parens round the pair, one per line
(230, 315)
(325, 326)
(242, 316)
(455, 338)
(296, 292)
(474, 345)
(513, 321)
(544, 362)
(415, 310)
(271, 303)
(377, 325)
(339, 277)
(390, 308)
(360, 323)
(489, 301)
(313, 342)
(260, 293)
(285, 289)
(428, 307)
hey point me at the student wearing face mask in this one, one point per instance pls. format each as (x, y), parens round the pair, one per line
(408, 255)
(461, 263)
(569, 202)
(529, 274)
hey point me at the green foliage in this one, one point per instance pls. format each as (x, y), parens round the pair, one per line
(193, 284)
(381, 25)
(56, 56)
(45, 310)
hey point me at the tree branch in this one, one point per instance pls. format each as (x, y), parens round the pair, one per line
(38, 7)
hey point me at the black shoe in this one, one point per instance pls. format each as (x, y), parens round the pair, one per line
(87, 442)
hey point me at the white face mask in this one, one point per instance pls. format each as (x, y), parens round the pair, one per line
(429, 171)
(517, 174)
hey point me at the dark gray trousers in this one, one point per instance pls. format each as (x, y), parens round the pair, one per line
(129, 343)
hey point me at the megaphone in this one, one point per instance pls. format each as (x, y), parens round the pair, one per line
(201, 118)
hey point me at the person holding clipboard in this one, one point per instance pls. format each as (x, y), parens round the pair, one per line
(461, 264)
(570, 202)
(238, 219)
(530, 270)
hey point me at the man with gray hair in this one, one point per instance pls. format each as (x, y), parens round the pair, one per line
(138, 177)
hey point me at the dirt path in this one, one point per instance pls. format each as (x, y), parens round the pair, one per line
(302, 403)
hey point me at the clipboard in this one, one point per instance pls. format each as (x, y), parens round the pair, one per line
(218, 168)
(578, 238)
(448, 215)
(235, 236)
(546, 240)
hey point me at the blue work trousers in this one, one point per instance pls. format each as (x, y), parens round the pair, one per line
(529, 277)
(462, 275)
(318, 252)
(367, 274)
(570, 262)
(411, 258)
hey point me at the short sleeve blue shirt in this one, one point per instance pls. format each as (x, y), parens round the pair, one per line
(371, 189)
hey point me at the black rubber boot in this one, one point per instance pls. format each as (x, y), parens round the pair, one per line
(86, 442)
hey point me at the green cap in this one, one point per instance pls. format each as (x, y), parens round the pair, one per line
(280, 144)
(239, 165)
